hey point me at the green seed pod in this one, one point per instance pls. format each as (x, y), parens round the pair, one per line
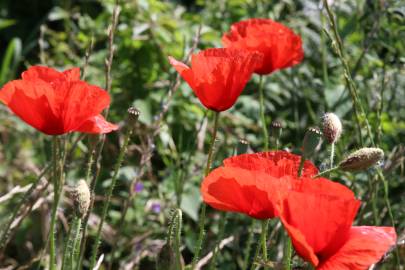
(81, 198)
(361, 159)
(312, 141)
(331, 127)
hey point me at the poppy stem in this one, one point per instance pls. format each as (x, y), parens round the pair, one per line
(263, 239)
(106, 205)
(332, 154)
(262, 114)
(58, 161)
(204, 206)
(248, 245)
(326, 172)
(287, 253)
(302, 161)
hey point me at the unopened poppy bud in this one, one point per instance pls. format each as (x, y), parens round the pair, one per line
(81, 198)
(331, 127)
(361, 159)
(133, 115)
(311, 142)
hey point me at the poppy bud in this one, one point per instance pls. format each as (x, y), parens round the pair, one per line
(331, 127)
(361, 159)
(311, 142)
(133, 115)
(166, 258)
(81, 198)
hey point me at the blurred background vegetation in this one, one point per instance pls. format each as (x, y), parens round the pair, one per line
(166, 155)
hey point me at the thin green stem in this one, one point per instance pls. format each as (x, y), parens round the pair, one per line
(287, 254)
(67, 258)
(358, 108)
(55, 202)
(391, 215)
(262, 114)
(326, 172)
(76, 245)
(90, 162)
(221, 231)
(301, 166)
(177, 239)
(204, 206)
(106, 205)
(332, 154)
(248, 246)
(263, 239)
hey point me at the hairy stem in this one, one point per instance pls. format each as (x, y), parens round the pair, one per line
(109, 196)
(204, 206)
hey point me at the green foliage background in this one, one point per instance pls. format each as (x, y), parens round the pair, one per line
(58, 33)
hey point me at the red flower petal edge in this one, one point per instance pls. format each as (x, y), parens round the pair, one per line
(365, 246)
(280, 46)
(56, 102)
(276, 163)
(218, 76)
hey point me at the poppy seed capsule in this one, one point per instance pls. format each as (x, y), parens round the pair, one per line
(331, 127)
(133, 115)
(81, 198)
(361, 159)
(311, 142)
(276, 128)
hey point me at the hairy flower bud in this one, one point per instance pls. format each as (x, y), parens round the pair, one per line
(312, 141)
(81, 198)
(331, 127)
(361, 159)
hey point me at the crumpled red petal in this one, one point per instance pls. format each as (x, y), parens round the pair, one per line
(97, 125)
(56, 102)
(365, 246)
(276, 163)
(318, 224)
(280, 46)
(218, 76)
(253, 193)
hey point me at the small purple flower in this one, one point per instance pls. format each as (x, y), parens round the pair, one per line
(156, 207)
(138, 187)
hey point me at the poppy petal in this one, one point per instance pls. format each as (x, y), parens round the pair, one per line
(218, 76)
(280, 46)
(323, 221)
(32, 102)
(97, 125)
(366, 245)
(81, 102)
(323, 186)
(276, 163)
(253, 193)
(185, 72)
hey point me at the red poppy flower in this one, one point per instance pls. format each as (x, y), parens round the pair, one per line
(254, 184)
(218, 76)
(57, 102)
(319, 224)
(280, 46)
